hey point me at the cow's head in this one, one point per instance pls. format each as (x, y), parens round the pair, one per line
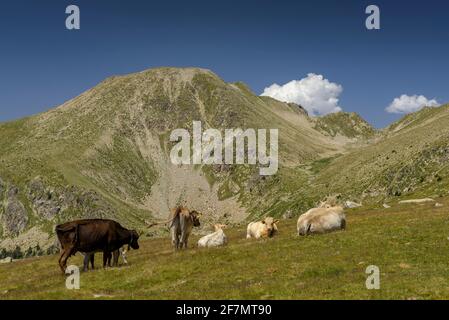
(271, 226)
(133, 240)
(195, 216)
(220, 226)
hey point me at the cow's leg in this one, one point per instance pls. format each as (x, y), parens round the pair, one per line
(174, 238)
(86, 261)
(60, 261)
(180, 241)
(63, 260)
(109, 259)
(123, 254)
(115, 262)
(92, 261)
(106, 258)
(184, 240)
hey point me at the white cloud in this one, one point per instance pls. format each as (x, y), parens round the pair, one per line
(316, 94)
(408, 104)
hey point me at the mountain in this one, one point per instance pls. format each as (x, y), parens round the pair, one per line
(408, 158)
(106, 153)
(345, 124)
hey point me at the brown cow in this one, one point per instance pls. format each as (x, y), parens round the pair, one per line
(93, 235)
(181, 223)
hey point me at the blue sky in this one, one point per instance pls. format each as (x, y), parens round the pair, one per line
(258, 42)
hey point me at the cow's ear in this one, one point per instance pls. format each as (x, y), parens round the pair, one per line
(276, 221)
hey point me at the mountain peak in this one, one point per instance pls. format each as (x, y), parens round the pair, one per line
(349, 124)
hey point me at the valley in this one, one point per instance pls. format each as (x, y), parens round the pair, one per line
(106, 154)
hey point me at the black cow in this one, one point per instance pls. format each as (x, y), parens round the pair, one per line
(93, 235)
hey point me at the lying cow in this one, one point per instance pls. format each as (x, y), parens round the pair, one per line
(262, 229)
(90, 258)
(93, 235)
(321, 220)
(181, 223)
(216, 239)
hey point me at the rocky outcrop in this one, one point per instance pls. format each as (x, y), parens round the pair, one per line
(416, 201)
(48, 202)
(43, 200)
(6, 260)
(300, 108)
(14, 218)
(352, 204)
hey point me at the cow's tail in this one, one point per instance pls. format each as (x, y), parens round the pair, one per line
(170, 221)
(150, 225)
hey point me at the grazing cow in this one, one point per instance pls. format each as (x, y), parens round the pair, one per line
(321, 220)
(181, 223)
(262, 229)
(216, 239)
(93, 235)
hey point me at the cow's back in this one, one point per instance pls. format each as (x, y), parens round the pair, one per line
(88, 235)
(95, 235)
(321, 220)
(255, 229)
(216, 239)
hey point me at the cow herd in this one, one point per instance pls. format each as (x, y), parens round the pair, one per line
(99, 235)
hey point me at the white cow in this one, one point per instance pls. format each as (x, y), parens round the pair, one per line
(216, 239)
(321, 220)
(262, 229)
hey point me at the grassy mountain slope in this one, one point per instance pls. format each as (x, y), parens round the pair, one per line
(405, 242)
(105, 153)
(408, 159)
(411, 159)
(345, 124)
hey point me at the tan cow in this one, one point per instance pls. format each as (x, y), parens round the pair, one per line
(262, 229)
(321, 220)
(181, 223)
(216, 239)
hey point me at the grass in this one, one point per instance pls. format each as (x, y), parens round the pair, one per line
(407, 243)
(91, 143)
(348, 124)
